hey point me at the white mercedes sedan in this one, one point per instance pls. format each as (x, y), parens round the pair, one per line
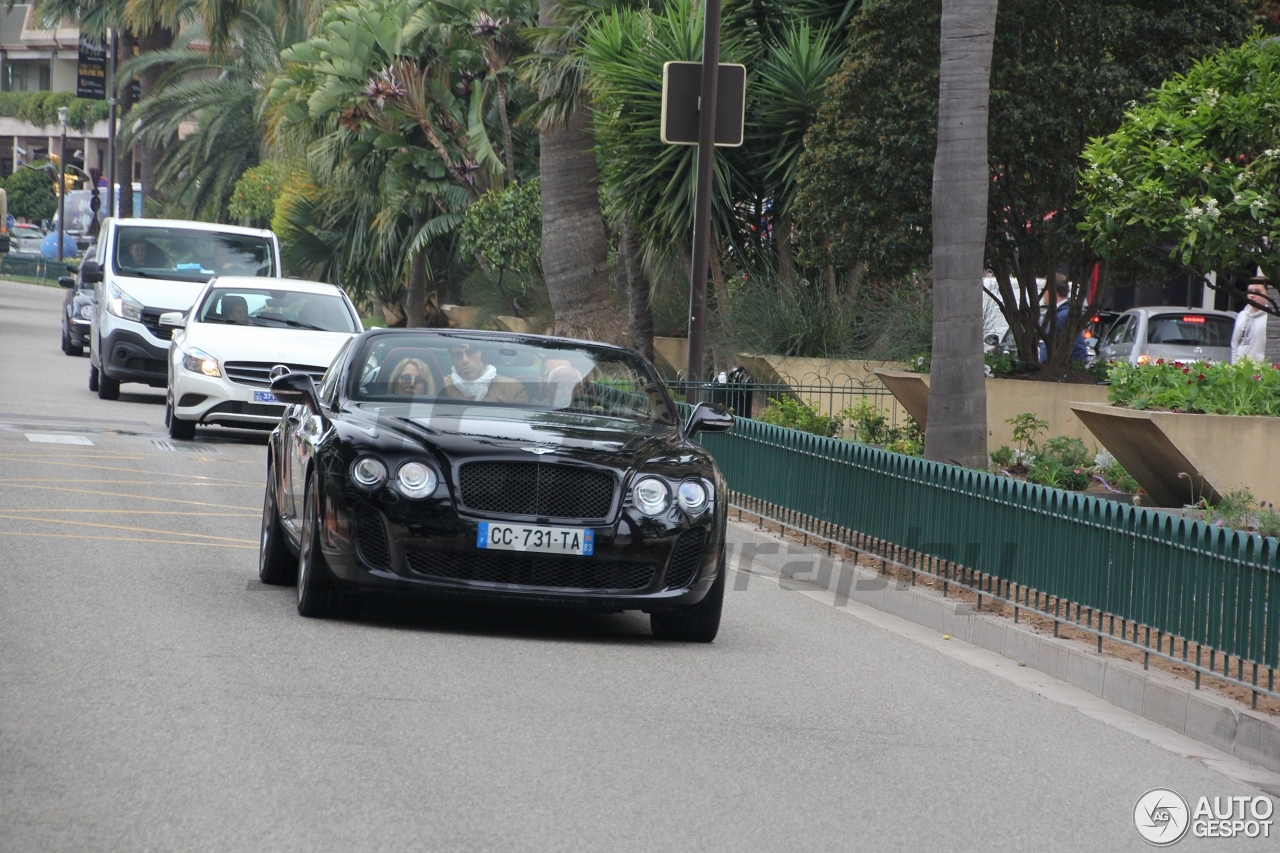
(241, 333)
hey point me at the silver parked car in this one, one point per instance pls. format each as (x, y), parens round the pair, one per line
(1140, 335)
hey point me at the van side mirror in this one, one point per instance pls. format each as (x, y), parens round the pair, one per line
(4, 243)
(91, 272)
(172, 319)
(706, 417)
(992, 340)
(66, 281)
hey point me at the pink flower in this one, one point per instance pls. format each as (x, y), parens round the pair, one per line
(1257, 377)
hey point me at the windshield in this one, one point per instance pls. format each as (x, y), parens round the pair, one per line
(280, 309)
(452, 371)
(187, 254)
(1201, 330)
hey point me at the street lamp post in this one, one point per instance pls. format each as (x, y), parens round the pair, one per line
(62, 182)
(702, 200)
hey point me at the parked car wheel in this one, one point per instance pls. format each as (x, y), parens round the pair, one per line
(276, 565)
(93, 378)
(178, 428)
(68, 347)
(698, 623)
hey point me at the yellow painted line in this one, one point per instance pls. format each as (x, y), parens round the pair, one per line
(126, 539)
(184, 484)
(130, 470)
(122, 527)
(96, 511)
(44, 454)
(123, 495)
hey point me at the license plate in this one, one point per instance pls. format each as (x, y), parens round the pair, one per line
(535, 537)
(264, 397)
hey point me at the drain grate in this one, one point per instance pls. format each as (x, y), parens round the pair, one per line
(162, 444)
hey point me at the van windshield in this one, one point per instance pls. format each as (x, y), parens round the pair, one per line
(188, 254)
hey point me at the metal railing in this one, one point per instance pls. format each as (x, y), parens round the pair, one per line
(1215, 591)
(828, 395)
(33, 266)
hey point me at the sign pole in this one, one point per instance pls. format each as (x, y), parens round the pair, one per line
(702, 204)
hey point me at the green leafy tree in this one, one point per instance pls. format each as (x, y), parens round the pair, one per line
(31, 195)
(1190, 181)
(504, 229)
(253, 199)
(1061, 74)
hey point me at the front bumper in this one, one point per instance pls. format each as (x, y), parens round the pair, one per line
(395, 544)
(218, 400)
(127, 356)
(78, 331)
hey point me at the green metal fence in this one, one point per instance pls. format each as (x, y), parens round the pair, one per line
(33, 266)
(1217, 589)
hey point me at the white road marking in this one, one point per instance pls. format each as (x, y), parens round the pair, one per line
(56, 438)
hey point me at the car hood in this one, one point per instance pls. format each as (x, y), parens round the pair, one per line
(258, 343)
(165, 294)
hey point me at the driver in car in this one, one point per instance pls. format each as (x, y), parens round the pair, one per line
(144, 253)
(472, 379)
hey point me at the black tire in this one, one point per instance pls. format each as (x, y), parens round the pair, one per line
(178, 428)
(108, 388)
(276, 565)
(66, 338)
(697, 623)
(318, 595)
(93, 378)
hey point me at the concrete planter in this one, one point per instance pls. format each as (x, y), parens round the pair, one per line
(1006, 399)
(1179, 458)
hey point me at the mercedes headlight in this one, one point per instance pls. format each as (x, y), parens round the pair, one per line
(416, 480)
(692, 497)
(86, 312)
(198, 361)
(123, 305)
(651, 495)
(369, 472)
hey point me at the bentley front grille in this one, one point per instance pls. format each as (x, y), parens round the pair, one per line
(542, 489)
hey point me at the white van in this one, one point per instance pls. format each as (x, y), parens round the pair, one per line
(142, 268)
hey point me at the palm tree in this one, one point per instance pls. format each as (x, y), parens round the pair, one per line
(957, 429)
(225, 93)
(575, 250)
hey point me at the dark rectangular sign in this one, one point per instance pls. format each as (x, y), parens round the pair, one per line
(681, 96)
(91, 70)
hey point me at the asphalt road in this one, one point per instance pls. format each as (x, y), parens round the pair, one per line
(155, 696)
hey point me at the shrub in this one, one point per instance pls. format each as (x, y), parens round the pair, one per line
(1115, 476)
(253, 199)
(796, 415)
(870, 423)
(1243, 388)
(1026, 427)
(1002, 456)
(1070, 452)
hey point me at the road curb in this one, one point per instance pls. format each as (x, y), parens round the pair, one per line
(1155, 696)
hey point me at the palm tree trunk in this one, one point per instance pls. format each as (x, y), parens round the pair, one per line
(575, 253)
(957, 430)
(415, 308)
(149, 153)
(638, 289)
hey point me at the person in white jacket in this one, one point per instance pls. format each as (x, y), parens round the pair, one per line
(1249, 337)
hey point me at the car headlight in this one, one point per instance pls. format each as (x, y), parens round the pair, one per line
(369, 472)
(651, 495)
(123, 305)
(86, 312)
(200, 362)
(416, 480)
(692, 497)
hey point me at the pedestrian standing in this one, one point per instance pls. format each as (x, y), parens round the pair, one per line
(1249, 337)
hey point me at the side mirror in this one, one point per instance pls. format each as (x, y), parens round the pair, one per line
(296, 389)
(91, 272)
(706, 417)
(4, 243)
(992, 340)
(172, 319)
(66, 281)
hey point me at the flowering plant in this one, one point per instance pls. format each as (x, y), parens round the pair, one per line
(1243, 388)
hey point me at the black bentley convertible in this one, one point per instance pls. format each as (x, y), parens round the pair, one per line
(497, 466)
